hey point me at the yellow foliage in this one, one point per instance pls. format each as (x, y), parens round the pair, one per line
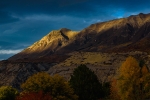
(8, 93)
(37, 82)
(133, 81)
(128, 73)
(55, 85)
(130, 68)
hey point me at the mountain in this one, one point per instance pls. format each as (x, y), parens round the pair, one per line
(101, 46)
(48, 45)
(126, 34)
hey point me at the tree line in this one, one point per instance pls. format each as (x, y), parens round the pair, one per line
(132, 82)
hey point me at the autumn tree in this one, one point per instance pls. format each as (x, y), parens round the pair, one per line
(34, 96)
(8, 93)
(86, 84)
(55, 85)
(133, 80)
(144, 83)
(113, 90)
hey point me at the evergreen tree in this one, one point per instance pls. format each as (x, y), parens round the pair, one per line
(85, 84)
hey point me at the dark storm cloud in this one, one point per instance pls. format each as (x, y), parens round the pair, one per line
(76, 8)
(69, 6)
(55, 7)
(6, 18)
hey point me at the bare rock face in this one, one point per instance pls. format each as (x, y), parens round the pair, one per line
(101, 46)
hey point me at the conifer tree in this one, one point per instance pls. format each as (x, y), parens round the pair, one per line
(86, 84)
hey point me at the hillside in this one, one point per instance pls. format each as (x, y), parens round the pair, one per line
(101, 46)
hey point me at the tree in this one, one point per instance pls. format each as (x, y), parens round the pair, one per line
(113, 90)
(144, 83)
(106, 90)
(133, 80)
(37, 82)
(55, 85)
(8, 93)
(85, 84)
(34, 96)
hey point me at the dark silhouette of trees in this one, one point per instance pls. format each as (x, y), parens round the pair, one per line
(86, 84)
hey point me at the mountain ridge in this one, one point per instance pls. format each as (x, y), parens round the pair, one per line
(117, 34)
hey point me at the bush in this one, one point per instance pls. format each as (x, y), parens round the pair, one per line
(55, 85)
(37, 82)
(85, 84)
(8, 93)
(34, 96)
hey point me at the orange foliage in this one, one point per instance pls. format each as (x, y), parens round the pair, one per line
(144, 70)
(128, 80)
(130, 68)
(133, 81)
(34, 96)
(114, 91)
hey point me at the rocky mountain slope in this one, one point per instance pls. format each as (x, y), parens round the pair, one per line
(113, 36)
(48, 45)
(101, 46)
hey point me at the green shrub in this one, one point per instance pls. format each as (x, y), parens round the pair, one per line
(8, 93)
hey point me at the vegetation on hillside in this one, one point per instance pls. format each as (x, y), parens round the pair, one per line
(131, 83)
(55, 85)
(34, 96)
(8, 93)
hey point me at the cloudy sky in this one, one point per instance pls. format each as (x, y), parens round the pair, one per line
(22, 22)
